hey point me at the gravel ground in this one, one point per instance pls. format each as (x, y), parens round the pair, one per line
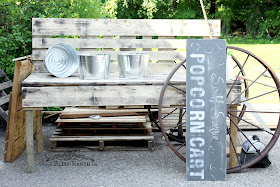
(120, 168)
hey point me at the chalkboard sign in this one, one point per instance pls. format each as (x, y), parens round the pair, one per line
(206, 109)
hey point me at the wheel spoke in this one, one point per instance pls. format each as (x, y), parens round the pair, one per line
(177, 88)
(169, 113)
(256, 97)
(248, 87)
(241, 70)
(252, 124)
(254, 111)
(244, 135)
(177, 126)
(181, 146)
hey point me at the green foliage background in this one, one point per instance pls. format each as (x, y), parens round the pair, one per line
(16, 18)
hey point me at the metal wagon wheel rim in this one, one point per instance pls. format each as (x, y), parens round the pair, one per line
(244, 110)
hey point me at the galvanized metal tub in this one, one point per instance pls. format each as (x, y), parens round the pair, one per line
(94, 66)
(62, 60)
(133, 65)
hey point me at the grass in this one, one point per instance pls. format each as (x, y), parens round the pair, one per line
(270, 53)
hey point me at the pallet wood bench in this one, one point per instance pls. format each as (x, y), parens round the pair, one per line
(112, 36)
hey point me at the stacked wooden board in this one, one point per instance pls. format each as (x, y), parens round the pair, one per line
(5, 83)
(15, 132)
(103, 129)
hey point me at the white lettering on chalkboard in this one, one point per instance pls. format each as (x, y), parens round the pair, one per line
(200, 90)
(197, 126)
(197, 103)
(200, 57)
(198, 174)
(196, 152)
(197, 141)
(200, 80)
(197, 115)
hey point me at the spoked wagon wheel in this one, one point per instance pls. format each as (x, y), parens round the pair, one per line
(253, 108)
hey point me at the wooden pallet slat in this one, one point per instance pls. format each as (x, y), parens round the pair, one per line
(15, 133)
(139, 27)
(103, 130)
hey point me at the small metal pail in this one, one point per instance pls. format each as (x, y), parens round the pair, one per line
(94, 66)
(133, 65)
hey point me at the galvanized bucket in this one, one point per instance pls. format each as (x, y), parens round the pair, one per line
(94, 66)
(62, 60)
(133, 65)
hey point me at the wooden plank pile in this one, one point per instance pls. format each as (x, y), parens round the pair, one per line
(15, 132)
(102, 129)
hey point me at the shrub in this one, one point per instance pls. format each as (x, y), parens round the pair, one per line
(16, 18)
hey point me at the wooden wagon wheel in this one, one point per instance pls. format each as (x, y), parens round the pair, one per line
(245, 111)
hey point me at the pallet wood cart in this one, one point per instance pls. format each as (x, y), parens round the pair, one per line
(41, 89)
(156, 37)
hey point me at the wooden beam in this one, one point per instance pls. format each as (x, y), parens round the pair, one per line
(29, 140)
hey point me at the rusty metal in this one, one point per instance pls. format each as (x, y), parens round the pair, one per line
(274, 136)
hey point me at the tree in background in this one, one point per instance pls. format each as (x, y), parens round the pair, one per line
(255, 19)
(16, 17)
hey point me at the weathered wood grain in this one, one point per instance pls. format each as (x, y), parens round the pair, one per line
(123, 27)
(169, 49)
(29, 141)
(6, 85)
(15, 133)
(157, 75)
(118, 119)
(87, 43)
(39, 54)
(4, 99)
(98, 95)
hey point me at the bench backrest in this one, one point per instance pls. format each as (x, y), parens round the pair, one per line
(156, 36)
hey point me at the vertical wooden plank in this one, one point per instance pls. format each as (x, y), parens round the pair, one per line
(101, 145)
(166, 61)
(233, 136)
(39, 134)
(9, 136)
(150, 145)
(127, 49)
(108, 49)
(88, 49)
(29, 140)
(147, 49)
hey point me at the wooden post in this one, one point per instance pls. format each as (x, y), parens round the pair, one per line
(180, 127)
(233, 135)
(29, 140)
(39, 134)
(101, 145)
